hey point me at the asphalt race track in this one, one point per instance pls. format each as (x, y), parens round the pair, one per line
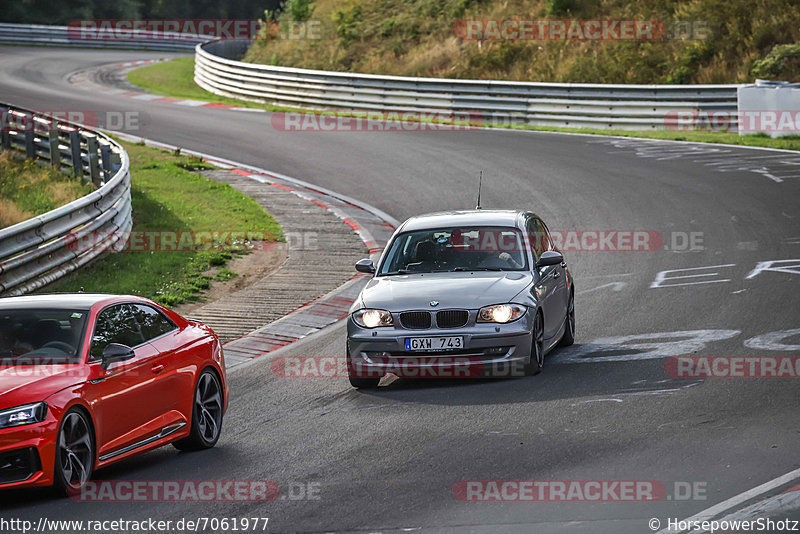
(389, 459)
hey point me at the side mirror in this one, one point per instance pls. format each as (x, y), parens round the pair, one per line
(116, 352)
(365, 266)
(551, 257)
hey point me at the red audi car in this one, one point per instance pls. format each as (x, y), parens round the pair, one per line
(88, 380)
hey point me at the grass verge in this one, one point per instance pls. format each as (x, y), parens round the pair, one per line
(702, 41)
(175, 78)
(167, 197)
(28, 189)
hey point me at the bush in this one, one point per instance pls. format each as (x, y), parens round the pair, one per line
(347, 24)
(781, 59)
(689, 61)
(298, 10)
(560, 7)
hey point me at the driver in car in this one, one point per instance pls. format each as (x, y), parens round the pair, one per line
(493, 260)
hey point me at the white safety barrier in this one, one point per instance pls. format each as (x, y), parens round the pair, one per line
(572, 105)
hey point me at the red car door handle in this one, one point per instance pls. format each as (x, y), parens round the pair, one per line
(158, 368)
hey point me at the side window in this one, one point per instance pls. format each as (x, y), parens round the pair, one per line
(152, 322)
(546, 243)
(115, 324)
(537, 235)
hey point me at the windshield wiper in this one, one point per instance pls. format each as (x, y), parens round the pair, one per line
(398, 271)
(484, 269)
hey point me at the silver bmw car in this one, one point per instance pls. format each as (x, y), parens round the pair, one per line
(461, 294)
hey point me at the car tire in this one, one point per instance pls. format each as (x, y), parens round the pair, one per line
(536, 361)
(207, 414)
(356, 381)
(569, 327)
(75, 453)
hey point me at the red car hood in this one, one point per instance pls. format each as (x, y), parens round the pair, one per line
(24, 384)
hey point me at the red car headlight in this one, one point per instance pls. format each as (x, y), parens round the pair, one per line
(23, 415)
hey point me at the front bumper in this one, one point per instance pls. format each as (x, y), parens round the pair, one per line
(27, 453)
(490, 350)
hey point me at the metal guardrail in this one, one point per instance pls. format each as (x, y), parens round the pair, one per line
(34, 34)
(37, 251)
(629, 107)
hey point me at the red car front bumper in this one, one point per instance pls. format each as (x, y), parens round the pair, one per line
(27, 454)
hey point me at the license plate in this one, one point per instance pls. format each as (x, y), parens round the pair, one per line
(434, 343)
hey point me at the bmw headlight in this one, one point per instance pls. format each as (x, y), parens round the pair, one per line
(369, 318)
(501, 313)
(23, 415)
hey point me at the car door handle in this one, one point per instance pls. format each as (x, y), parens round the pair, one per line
(556, 274)
(158, 368)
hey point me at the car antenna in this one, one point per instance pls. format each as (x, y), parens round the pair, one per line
(480, 183)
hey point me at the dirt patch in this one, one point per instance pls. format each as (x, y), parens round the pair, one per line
(11, 214)
(250, 268)
(61, 192)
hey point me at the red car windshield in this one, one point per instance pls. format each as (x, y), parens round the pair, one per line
(41, 336)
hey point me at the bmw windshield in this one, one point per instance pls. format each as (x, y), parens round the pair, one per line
(489, 248)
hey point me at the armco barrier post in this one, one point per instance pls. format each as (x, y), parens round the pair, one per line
(92, 147)
(5, 138)
(105, 158)
(75, 152)
(55, 153)
(116, 162)
(30, 146)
